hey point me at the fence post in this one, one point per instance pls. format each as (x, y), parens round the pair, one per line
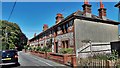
(64, 59)
(73, 60)
(108, 64)
(45, 55)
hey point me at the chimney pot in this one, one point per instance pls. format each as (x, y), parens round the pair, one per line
(86, 2)
(87, 8)
(45, 27)
(59, 17)
(102, 11)
(34, 34)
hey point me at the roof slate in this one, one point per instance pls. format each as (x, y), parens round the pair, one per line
(79, 14)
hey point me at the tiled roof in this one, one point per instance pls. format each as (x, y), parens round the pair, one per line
(80, 14)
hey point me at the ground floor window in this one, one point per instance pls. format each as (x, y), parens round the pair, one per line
(65, 44)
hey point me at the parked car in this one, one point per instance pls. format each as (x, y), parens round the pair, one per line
(9, 57)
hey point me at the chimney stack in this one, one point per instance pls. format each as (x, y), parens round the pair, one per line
(102, 11)
(45, 27)
(59, 17)
(34, 34)
(87, 8)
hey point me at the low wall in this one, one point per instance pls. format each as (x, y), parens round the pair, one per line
(67, 59)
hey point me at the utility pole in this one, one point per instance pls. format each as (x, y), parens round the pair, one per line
(6, 38)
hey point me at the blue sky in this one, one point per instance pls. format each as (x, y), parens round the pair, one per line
(31, 16)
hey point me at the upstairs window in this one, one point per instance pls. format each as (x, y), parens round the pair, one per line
(56, 32)
(59, 28)
(66, 27)
(71, 23)
(63, 27)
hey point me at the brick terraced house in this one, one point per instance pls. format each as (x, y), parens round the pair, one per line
(84, 32)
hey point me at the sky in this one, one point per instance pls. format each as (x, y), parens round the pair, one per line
(31, 16)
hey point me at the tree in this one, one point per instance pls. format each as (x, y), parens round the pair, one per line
(11, 35)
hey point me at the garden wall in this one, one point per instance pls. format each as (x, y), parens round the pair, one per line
(67, 59)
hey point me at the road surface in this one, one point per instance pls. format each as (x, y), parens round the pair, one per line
(31, 61)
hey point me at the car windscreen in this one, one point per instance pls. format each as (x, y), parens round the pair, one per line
(8, 53)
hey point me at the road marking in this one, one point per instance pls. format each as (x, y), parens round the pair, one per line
(22, 60)
(42, 61)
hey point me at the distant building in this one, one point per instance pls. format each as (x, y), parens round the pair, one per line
(84, 32)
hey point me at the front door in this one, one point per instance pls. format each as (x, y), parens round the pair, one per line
(116, 46)
(56, 43)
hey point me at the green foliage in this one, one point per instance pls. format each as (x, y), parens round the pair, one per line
(26, 47)
(118, 66)
(100, 56)
(49, 50)
(113, 56)
(30, 48)
(11, 35)
(33, 48)
(66, 50)
(38, 48)
(44, 49)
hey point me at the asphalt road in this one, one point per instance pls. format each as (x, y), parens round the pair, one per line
(27, 60)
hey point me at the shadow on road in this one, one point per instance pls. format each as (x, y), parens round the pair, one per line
(10, 66)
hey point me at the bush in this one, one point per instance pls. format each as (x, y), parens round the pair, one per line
(49, 50)
(44, 49)
(26, 47)
(66, 50)
(100, 56)
(30, 48)
(112, 56)
(118, 66)
(38, 48)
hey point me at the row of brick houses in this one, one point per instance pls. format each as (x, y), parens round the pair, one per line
(84, 32)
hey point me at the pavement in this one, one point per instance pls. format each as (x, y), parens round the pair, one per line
(27, 60)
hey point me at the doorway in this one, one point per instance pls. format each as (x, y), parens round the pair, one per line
(116, 46)
(56, 43)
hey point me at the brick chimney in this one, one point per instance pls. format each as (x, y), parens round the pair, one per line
(59, 17)
(87, 8)
(34, 34)
(45, 27)
(102, 11)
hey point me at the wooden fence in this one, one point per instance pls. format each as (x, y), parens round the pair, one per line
(96, 63)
